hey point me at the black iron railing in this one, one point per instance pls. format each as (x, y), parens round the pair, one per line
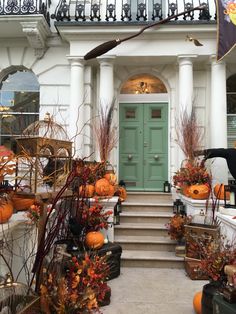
(131, 10)
(25, 7)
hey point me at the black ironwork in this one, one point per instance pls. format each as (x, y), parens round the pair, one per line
(141, 10)
(172, 8)
(111, 11)
(25, 7)
(126, 11)
(205, 13)
(63, 11)
(131, 10)
(95, 10)
(80, 11)
(157, 10)
(188, 5)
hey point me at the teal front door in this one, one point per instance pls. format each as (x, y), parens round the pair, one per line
(143, 145)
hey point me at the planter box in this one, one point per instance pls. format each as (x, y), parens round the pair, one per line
(191, 268)
(198, 234)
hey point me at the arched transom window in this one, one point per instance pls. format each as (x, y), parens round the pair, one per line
(143, 84)
(19, 105)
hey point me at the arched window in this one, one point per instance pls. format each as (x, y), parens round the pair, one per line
(231, 111)
(19, 105)
(143, 84)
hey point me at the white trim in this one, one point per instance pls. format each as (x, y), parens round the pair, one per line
(139, 98)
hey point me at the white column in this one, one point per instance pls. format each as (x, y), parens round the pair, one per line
(106, 89)
(76, 112)
(185, 83)
(185, 90)
(88, 119)
(218, 118)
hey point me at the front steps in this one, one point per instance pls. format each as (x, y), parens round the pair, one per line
(142, 232)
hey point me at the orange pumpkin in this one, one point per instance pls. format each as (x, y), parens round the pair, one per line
(6, 211)
(111, 178)
(20, 203)
(102, 187)
(199, 191)
(219, 191)
(197, 302)
(122, 193)
(87, 190)
(94, 239)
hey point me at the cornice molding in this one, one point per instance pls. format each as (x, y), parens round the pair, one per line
(37, 33)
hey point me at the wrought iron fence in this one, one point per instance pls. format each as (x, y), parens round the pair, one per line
(25, 7)
(131, 10)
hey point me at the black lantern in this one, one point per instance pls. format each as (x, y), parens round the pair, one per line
(179, 207)
(166, 187)
(231, 188)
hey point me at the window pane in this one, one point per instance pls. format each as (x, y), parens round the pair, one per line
(19, 105)
(231, 103)
(130, 114)
(231, 130)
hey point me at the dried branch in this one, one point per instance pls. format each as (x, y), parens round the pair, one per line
(189, 134)
(105, 134)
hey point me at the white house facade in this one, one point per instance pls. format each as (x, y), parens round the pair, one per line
(152, 78)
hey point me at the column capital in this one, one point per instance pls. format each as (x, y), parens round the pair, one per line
(186, 58)
(213, 60)
(76, 60)
(106, 60)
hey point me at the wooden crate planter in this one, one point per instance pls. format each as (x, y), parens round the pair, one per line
(192, 269)
(197, 235)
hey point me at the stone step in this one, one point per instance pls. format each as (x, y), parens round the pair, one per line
(148, 207)
(145, 217)
(146, 243)
(141, 229)
(148, 196)
(131, 258)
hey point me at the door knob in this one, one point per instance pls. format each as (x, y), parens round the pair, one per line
(130, 157)
(156, 157)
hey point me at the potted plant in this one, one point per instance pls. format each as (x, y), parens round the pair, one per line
(194, 174)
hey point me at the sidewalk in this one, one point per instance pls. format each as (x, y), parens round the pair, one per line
(152, 291)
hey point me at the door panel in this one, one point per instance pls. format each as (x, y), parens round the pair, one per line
(131, 144)
(143, 146)
(155, 150)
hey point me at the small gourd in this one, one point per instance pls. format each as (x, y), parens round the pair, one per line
(86, 190)
(94, 240)
(111, 178)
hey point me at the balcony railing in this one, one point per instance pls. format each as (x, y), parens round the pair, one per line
(131, 10)
(25, 7)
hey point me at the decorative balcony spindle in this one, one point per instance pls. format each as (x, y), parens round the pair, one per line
(126, 11)
(63, 11)
(80, 11)
(204, 14)
(157, 10)
(172, 8)
(95, 10)
(188, 5)
(111, 11)
(142, 10)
